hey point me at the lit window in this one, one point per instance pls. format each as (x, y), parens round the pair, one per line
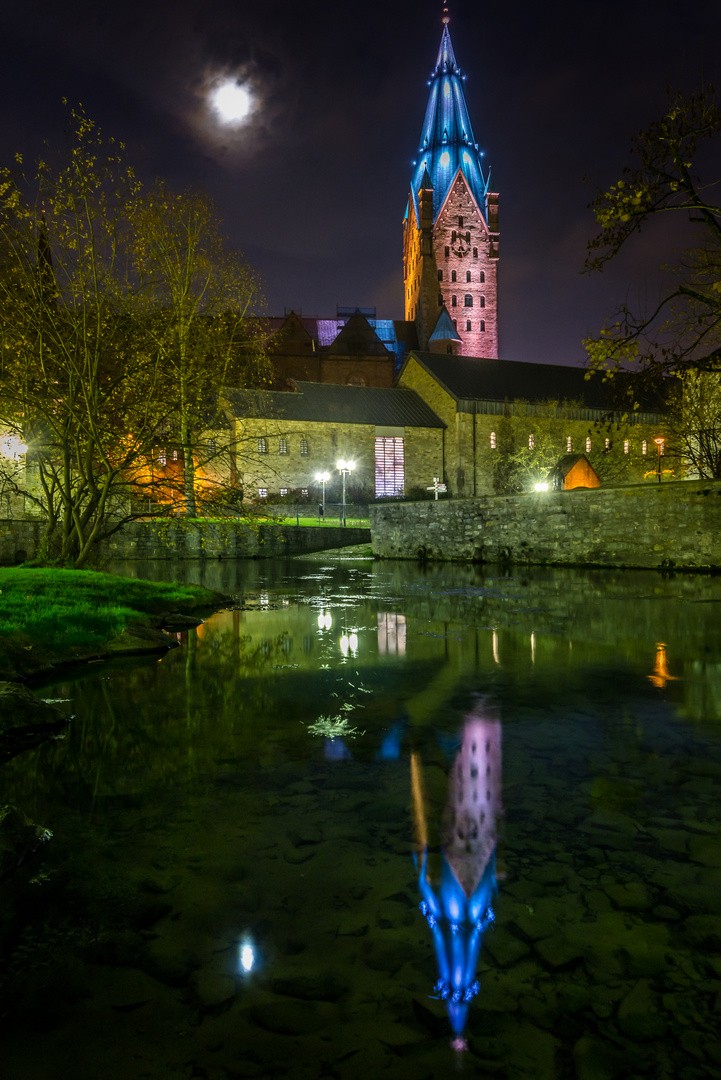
(644, 447)
(608, 444)
(211, 446)
(262, 493)
(531, 442)
(453, 275)
(588, 445)
(468, 275)
(162, 457)
(468, 300)
(569, 444)
(483, 325)
(284, 491)
(304, 448)
(468, 324)
(262, 445)
(453, 301)
(493, 440)
(475, 253)
(282, 446)
(390, 466)
(304, 492)
(175, 455)
(483, 276)
(626, 446)
(440, 275)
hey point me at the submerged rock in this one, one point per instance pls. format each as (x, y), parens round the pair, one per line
(26, 721)
(19, 837)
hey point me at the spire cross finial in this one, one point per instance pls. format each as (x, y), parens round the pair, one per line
(446, 17)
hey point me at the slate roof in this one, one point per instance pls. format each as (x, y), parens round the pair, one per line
(470, 378)
(335, 404)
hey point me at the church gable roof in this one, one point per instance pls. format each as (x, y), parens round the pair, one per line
(335, 404)
(358, 338)
(470, 378)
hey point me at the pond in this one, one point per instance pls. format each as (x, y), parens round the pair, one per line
(381, 819)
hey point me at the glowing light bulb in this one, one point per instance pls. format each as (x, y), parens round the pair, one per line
(247, 957)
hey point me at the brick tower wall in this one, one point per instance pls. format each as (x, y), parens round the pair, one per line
(465, 245)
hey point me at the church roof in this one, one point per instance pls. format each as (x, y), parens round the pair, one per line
(471, 379)
(444, 329)
(358, 338)
(447, 143)
(335, 404)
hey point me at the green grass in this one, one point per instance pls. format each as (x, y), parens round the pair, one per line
(66, 609)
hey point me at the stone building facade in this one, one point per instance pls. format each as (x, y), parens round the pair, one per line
(476, 397)
(279, 441)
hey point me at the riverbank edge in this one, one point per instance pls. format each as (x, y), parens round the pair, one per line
(147, 635)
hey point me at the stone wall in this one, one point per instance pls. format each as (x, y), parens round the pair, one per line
(174, 540)
(669, 525)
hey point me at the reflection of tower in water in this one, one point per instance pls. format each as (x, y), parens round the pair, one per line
(458, 909)
(474, 803)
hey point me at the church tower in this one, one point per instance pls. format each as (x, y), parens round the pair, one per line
(450, 231)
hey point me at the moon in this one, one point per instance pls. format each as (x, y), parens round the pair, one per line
(232, 102)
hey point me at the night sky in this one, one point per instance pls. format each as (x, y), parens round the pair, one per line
(313, 188)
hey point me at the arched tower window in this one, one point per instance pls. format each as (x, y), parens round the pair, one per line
(468, 300)
(440, 275)
(483, 275)
(468, 275)
(453, 301)
(453, 275)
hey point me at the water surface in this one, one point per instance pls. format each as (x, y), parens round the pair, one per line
(381, 820)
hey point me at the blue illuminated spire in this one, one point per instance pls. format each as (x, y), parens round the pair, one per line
(447, 143)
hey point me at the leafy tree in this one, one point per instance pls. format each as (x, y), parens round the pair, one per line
(199, 297)
(693, 426)
(105, 360)
(77, 383)
(682, 331)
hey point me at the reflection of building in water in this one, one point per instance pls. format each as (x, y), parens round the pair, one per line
(458, 910)
(391, 633)
(474, 802)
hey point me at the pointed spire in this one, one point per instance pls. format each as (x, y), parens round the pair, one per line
(447, 143)
(426, 182)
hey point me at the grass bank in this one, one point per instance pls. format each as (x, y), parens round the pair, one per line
(52, 615)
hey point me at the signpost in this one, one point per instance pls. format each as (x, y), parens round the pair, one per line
(437, 486)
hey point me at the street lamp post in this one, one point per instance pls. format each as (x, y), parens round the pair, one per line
(659, 440)
(344, 468)
(323, 478)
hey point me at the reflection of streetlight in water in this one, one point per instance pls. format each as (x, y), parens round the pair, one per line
(660, 668)
(458, 909)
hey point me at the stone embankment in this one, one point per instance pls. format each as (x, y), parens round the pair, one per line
(673, 525)
(19, 540)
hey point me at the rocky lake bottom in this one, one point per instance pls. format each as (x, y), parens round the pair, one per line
(381, 821)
